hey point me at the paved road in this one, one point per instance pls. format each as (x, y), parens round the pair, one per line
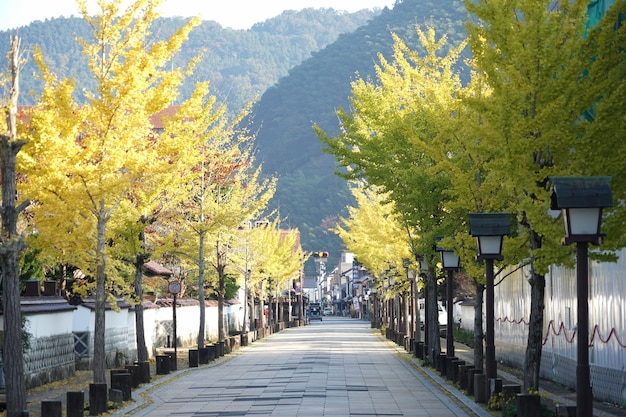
(338, 367)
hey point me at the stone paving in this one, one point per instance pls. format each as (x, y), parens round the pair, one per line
(337, 367)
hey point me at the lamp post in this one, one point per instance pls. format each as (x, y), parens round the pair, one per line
(392, 307)
(320, 260)
(374, 319)
(581, 200)
(300, 298)
(489, 230)
(421, 351)
(450, 263)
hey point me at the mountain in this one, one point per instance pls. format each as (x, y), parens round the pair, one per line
(241, 64)
(308, 194)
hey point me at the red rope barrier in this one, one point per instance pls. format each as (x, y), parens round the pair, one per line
(563, 330)
(558, 333)
(612, 333)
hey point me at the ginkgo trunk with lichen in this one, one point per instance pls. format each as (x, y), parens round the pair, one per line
(11, 243)
(84, 158)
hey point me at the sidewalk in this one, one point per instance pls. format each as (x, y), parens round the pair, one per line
(556, 393)
(337, 367)
(339, 362)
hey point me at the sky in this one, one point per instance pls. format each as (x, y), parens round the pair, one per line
(236, 14)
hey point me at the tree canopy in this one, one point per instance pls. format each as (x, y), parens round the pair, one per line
(441, 149)
(84, 160)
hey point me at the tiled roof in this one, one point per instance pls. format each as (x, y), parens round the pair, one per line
(157, 269)
(90, 303)
(37, 305)
(157, 119)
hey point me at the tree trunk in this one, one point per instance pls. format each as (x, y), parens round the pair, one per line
(416, 313)
(221, 289)
(142, 351)
(220, 305)
(201, 236)
(434, 342)
(99, 352)
(10, 246)
(244, 326)
(534, 346)
(250, 300)
(479, 336)
(277, 309)
(407, 322)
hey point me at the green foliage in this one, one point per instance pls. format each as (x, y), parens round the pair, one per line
(26, 335)
(464, 336)
(540, 75)
(510, 411)
(231, 286)
(31, 265)
(389, 137)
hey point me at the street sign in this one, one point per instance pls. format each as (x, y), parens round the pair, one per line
(173, 286)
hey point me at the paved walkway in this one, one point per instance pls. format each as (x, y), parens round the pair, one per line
(337, 367)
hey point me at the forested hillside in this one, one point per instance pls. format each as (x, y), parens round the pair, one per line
(308, 193)
(241, 64)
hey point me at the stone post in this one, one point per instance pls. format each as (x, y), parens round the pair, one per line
(97, 398)
(51, 408)
(75, 403)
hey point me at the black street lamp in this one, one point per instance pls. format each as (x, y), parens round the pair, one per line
(489, 230)
(581, 200)
(374, 319)
(450, 263)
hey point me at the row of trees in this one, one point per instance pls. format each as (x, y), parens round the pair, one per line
(546, 98)
(103, 191)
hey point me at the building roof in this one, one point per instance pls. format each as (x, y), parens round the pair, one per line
(48, 304)
(155, 268)
(157, 119)
(90, 304)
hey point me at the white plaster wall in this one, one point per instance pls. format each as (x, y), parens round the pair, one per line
(50, 324)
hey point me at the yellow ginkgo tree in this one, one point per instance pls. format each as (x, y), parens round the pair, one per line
(375, 234)
(178, 135)
(373, 231)
(220, 192)
(281, 259)
(85, 158)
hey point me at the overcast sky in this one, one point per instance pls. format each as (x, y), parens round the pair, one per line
(237, 14)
